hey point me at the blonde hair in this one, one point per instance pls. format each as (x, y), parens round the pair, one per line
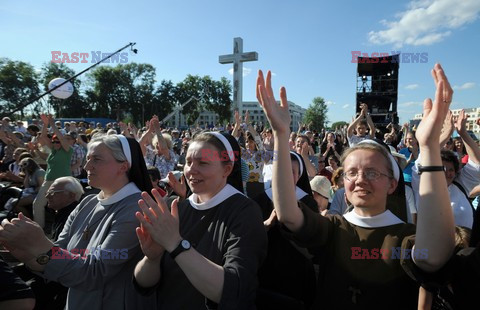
(168, 140)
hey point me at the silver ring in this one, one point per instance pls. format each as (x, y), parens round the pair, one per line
(4, 222)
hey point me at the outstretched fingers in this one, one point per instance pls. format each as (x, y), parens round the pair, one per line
(268, 85)
(283, 97)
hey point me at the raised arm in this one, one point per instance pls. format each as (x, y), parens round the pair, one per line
(370, 123)
(44, 135)
(236, 127)
(283, 189)
(354, 124)
(435, 226)
(146, 138)
(65, 144)
(473, 150)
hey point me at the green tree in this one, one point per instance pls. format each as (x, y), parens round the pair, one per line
(210, 96)
(125, 89)
(164, 100)
(18, 85)
(316, 114)
(338, 125)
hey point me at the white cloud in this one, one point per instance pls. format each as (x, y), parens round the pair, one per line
(246, 71)
(410, 104)
(426, 22)
(412, 86)
(345, 106)
(464, 86)
(328, 102)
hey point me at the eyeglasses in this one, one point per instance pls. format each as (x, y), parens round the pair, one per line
(55, 142)
(370, 175)
(52, 193)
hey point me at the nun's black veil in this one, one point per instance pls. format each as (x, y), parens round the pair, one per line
(138, 171)
(303, 182)
(396, 202)
(235, 177)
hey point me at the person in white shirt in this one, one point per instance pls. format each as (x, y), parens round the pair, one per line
(459, 180)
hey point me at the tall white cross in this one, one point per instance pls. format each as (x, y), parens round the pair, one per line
(238, 58)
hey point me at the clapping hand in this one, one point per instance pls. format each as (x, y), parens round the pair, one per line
(461, 121)
(161, 224)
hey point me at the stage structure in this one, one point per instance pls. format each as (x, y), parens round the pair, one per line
(377, 86)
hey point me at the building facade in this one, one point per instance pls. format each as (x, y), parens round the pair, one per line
(208, 118)
(473, 117)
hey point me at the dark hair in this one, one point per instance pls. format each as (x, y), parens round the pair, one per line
(362, 123)
(450, 157)
(462, 237)
(304, 137)
(153, 173)
(83, 137)
(464, 150)
(33, 127)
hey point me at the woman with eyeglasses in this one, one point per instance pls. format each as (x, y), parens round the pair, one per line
(96, 252)
(361, 251)
(58, 164)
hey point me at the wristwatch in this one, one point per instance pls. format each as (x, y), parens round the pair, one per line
(422, 169)
(43, 259)
(183, 246)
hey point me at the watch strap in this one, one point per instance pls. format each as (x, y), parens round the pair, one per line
(179, 249)
(43, 259)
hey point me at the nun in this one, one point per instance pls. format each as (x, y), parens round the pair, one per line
(206, 251)
(97, 250)
(287, 277)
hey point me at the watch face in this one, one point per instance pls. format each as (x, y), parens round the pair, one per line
(43, 259)
(185, 244)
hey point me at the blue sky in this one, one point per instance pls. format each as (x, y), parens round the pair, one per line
(306, 44)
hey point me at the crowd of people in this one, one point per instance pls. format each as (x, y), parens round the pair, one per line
(242, 216)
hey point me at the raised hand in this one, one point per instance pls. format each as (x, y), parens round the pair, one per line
(434, 113)
(305, 150)
(447, 128)
(45, 119)
(179, 187)
(155, 124)
(364, 108)
(161, 223)
(247, 117)
(278, 115)
(237, 118)
(461, 121)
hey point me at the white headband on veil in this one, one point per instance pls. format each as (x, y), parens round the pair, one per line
(125, 148)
